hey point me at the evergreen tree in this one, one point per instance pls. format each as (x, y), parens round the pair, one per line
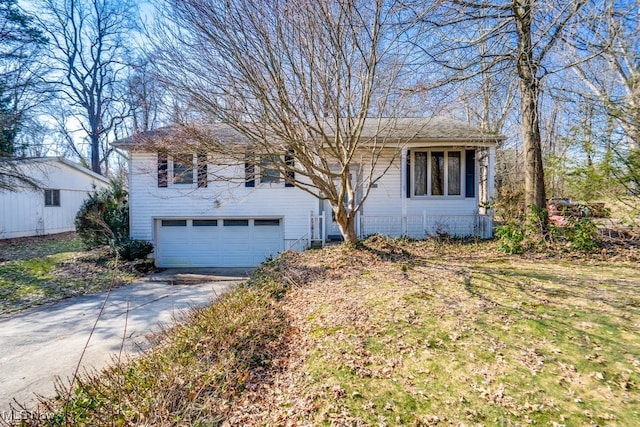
(18, 38)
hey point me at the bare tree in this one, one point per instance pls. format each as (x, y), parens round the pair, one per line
(145, 95)
(608, 70)
(522, 36)
(88, 40)
(300, 80)
(608, 49)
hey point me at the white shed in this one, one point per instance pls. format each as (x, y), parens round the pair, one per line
(51, 208)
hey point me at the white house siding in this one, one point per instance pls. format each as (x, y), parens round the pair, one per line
(23, 212)
(221, 199)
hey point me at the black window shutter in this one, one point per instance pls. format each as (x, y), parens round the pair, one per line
(408, 174)
(249, 171)
(470, 173)
(162, 169)
(291, 175)
(202, 170)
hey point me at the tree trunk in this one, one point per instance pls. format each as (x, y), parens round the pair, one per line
(529, 92)
(347, 224)
(95, 154)
(533, 171)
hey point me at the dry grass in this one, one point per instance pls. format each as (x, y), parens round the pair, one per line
(38, 270)
(395, 333)
(421, 333)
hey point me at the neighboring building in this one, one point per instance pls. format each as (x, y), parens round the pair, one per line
(51, 208)
(202, 210)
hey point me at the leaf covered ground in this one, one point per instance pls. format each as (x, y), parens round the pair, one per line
(38, 270)
(394, 332)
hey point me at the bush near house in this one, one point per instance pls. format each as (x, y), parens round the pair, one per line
(103, 219)
(104, 216)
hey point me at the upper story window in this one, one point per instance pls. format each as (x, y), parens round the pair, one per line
(437, 173)
(267, 169)
(52, 197)
(269, 173)
(182, 169)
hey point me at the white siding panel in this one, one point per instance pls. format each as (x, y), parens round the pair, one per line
(22, 214)
(385, 199)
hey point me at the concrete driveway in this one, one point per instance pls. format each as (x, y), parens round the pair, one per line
(43, 343)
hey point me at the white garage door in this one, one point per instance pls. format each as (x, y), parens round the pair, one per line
(230, 242)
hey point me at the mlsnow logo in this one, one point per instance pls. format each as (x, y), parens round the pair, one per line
(24, 415)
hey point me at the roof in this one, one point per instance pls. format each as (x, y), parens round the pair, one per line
(73, 165)
(179, 135)
(427, 129)
(402, 129)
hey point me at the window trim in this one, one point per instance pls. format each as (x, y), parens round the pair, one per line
(413, 163)
(52, 197)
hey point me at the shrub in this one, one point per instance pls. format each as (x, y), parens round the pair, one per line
(131, 250)
(581, 235)
(103, 218)
(511, 237)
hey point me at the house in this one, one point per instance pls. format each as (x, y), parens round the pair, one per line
(200, 209)
(52, 207)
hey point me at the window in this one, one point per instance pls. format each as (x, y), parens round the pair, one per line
(266, 222)
(205, 222)
(236, 222)
(268, 170)
(453, 175)
(52, 197)
(437, 173)
(174, 222)
(182, 171)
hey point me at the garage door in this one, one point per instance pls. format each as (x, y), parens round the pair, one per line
(225, 242)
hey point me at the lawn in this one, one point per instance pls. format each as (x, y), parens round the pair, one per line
(395, 333)
(38, 270)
